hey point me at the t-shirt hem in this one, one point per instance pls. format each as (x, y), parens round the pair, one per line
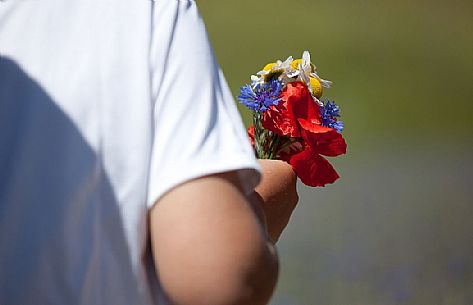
(249, 174)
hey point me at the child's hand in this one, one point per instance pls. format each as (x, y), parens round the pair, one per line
(277, 195)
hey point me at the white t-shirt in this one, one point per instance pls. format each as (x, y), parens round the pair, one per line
(104, 107)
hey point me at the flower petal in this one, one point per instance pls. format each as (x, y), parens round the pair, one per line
(313, 126)
(306, 59)
(329, 143)
(296, 103)
(280, 118)
(280, 121)
(251, 135)
(312, 169)
(301, 102)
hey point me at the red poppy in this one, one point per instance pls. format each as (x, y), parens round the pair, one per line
(308, 163)
(298, 116)
(296, 105)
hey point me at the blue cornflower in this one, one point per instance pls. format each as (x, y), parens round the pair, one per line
(329, 112)
(262, 96)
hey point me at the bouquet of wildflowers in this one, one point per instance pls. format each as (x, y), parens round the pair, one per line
(290, 120)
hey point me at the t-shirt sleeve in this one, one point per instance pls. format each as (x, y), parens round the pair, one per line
(197, 128)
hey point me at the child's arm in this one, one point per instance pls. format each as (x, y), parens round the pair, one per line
(209, 246)
(277, 195)
(210, 243)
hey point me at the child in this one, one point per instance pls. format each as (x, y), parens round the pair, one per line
(125, 172)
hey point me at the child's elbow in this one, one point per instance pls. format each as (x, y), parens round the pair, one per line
(248, 282)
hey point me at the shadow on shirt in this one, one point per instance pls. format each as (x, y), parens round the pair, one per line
(61, 233)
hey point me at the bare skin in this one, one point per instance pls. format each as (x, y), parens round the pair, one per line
(210, 242)
(277, 195)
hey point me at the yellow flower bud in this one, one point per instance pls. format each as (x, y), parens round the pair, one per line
(272, 73)
(269, 66)
(316, 87)
(295, 63)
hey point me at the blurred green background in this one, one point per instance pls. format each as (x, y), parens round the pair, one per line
(397, 228)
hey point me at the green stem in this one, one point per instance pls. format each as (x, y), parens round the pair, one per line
(274, 148)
